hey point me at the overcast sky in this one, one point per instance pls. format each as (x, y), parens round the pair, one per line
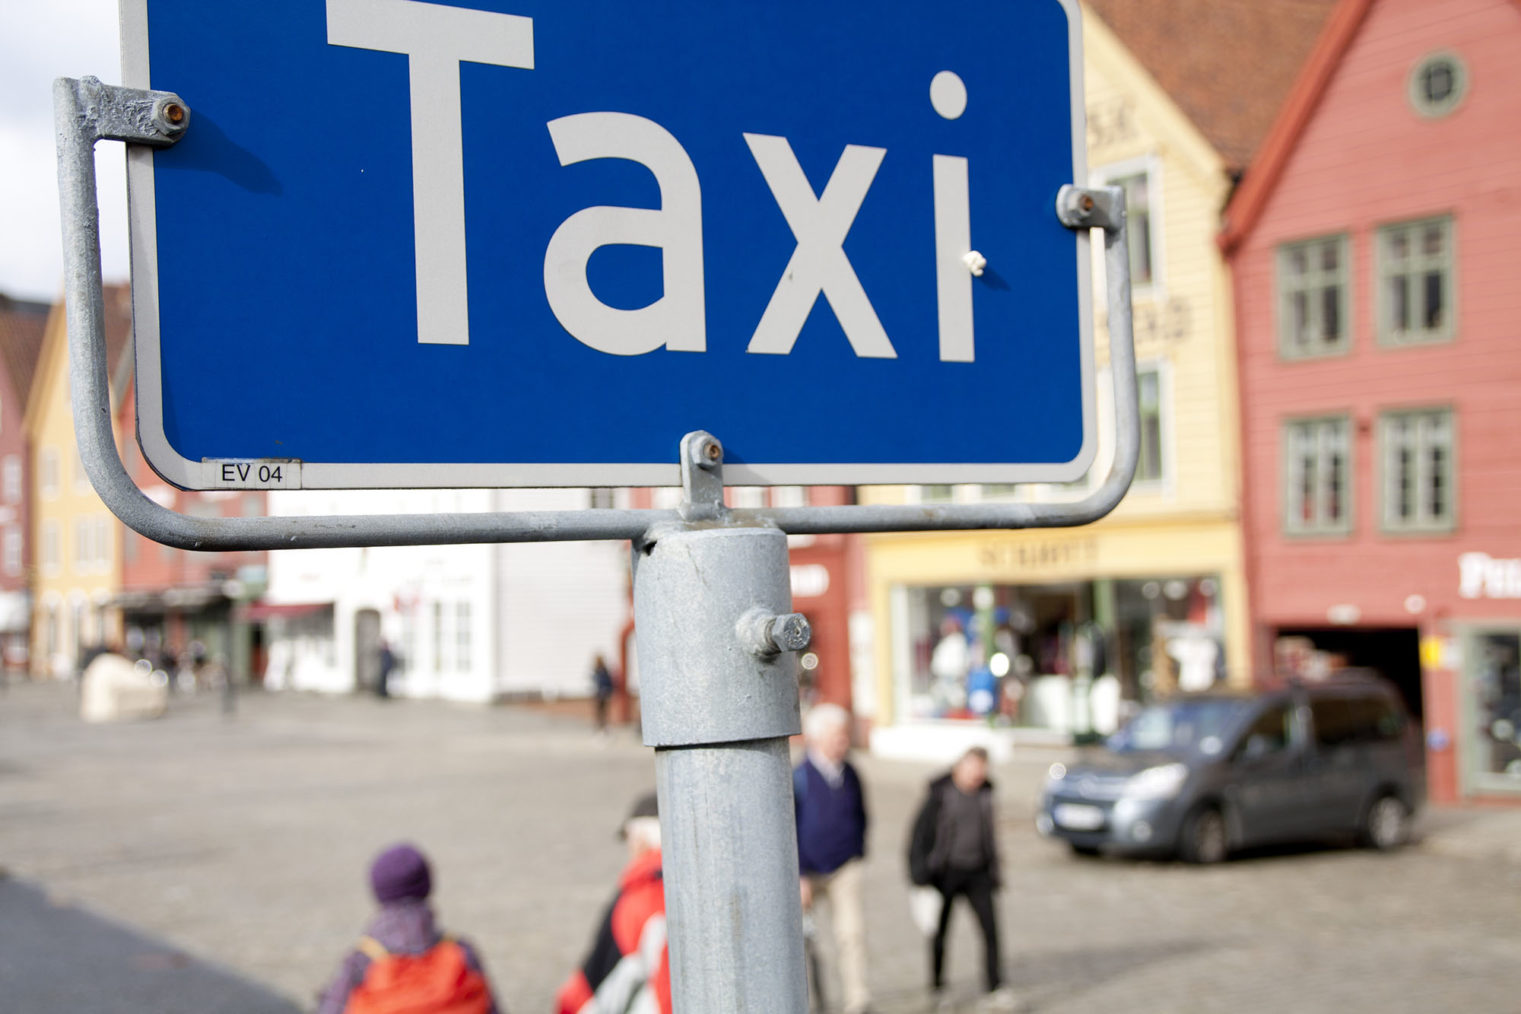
(41, 40)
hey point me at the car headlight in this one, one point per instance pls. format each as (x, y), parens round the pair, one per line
(1056, 772)
(1160, 782)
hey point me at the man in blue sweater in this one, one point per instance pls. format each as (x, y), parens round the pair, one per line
(831, 841)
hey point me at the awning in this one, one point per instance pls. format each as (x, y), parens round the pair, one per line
(284, 610)
(15, 612)
(181, 598)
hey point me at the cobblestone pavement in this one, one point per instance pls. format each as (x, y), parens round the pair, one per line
(240, 845)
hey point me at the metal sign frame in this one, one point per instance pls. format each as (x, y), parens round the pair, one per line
(185, 467)
(87, 111)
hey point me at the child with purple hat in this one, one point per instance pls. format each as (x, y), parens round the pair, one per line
(403, 961)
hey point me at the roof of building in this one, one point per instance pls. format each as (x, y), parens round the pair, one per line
(1228, 64)
(118, 300)
(1249, 200)
(22, 325)
(117, 319)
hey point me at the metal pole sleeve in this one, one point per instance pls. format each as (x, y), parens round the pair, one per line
(733, 914)
(719, 716)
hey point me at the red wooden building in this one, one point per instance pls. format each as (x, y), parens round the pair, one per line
(1374, 245)
(176, 603)
(21, 328)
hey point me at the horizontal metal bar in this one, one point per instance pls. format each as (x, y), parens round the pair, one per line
(85, 111)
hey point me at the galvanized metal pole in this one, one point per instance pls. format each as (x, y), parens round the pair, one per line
(716, 637)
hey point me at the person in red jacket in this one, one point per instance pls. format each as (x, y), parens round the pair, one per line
(404, 962)
(628, 968)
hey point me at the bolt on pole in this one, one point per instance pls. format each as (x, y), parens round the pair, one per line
(717, 642)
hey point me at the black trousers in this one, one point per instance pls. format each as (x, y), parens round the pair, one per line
(977, 887)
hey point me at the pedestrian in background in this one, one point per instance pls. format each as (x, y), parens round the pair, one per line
(628, 968)
(830, 807)
(954, 848)
(403, 962)
(602, 689)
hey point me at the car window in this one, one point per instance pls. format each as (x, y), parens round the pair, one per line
(1385, 717)
(1271, 733)
(1179, 726)
(1337, 722)
(1360, 718)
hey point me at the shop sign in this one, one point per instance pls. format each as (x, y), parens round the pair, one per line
(1481, 576)
(1030, 555)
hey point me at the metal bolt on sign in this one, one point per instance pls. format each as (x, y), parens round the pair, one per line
(716, 635)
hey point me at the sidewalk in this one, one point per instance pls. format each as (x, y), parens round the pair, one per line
(1471, 832)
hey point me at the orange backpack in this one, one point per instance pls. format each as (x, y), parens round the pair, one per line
(437, 981)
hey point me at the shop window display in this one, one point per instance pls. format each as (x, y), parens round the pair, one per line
(1497, 689)
(1057, 656)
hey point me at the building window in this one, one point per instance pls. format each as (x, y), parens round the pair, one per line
(1138, 230)
(12, 551)
(789, 496)
(1415, 282)
(47, 469)
(1312, 297)
(1438, 84)
(84, 558)
(601, 498)
(1149, 391)
(1317, 457)
(751, 497)
(103, 543)
(1492, 659)
(936, 494)
(1418, 470)
(438, 637)
(462, 636)
(50, 547)
(12, 478)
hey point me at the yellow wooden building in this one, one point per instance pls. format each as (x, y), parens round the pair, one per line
(76, 540)
(1071, 623)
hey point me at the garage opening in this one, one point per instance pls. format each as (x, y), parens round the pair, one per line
(1393, 651)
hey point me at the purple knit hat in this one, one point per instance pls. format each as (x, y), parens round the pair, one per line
(400, 872)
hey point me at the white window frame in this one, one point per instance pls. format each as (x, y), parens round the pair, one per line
(464, 653)
(12, 479)
(1415, 266)
(1292, 519)
(84, 558)
(1388, 475)
(440, 641)
(1314, 282)
(1415, 91)
(50, 549)
(1149, 166)
(789, 496)
(1166, 448)
(12, 551)
(47, 473)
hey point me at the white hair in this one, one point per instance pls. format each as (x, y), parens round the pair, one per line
(643, 832)
(822, 719)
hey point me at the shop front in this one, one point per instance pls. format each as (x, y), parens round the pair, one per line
(1047, 637)
(1491, 710)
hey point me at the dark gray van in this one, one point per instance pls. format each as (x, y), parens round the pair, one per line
(1203, 774)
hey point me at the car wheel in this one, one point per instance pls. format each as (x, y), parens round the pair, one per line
(1204, 838)
(1386, 824)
